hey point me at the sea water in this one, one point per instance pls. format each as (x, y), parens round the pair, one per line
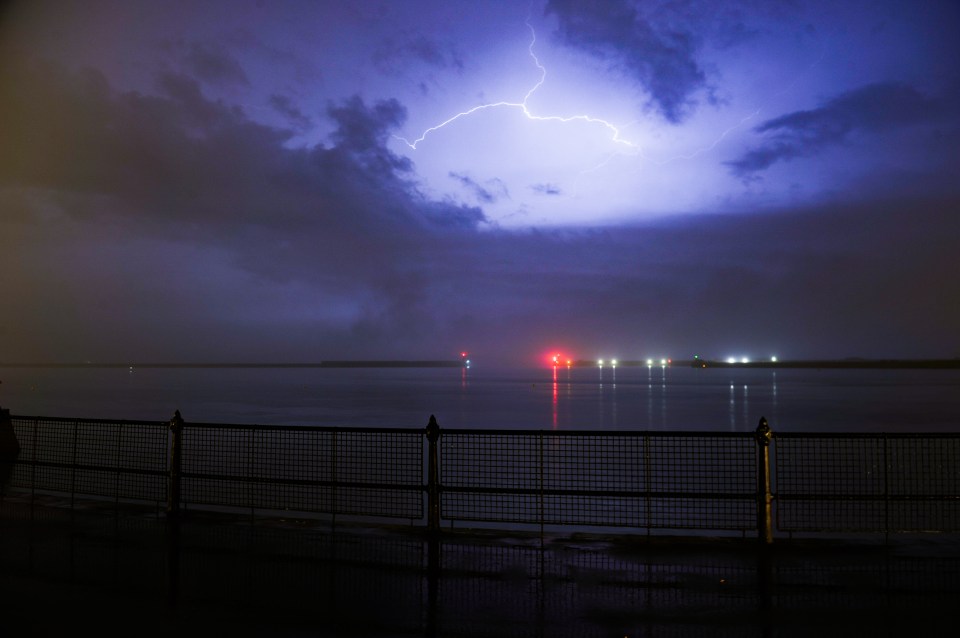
(578, 398)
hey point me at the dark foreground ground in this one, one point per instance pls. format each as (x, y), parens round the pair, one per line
(66, 572)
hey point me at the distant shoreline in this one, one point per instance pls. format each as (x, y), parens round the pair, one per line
(936, 364)
(318, 364)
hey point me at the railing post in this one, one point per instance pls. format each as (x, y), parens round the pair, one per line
(433, 476)
(763, 435)
(433, 525)
(9, 448)
(173, 484)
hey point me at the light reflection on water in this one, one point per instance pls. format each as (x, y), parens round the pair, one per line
(587, 398)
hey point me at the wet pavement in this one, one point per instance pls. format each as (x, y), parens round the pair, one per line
(71, 571)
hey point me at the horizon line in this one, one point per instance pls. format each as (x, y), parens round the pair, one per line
(847, 362)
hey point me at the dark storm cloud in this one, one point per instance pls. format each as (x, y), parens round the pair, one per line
(285, 107)
(303, 69)
(342, 220)
(447, 216)
(435, 53)
(364, 132)
(392, 56)
(215, 65)
(662, 59)
(193, 106)
(821, 282)
(874, 109)
(489, 192)
(173, 216)
(546, 189)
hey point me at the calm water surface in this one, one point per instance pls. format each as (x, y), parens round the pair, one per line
(625, 398)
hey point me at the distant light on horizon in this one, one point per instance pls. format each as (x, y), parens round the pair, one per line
(773, 358)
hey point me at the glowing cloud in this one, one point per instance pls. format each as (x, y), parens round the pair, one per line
(522, 106)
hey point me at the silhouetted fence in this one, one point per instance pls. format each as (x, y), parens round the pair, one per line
(704, 481)
(867, 482)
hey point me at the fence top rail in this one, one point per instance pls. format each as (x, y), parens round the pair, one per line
(201, 424)
(866, 435)
(187, 425)
(601, 433)
(61, 419)
(492, 431)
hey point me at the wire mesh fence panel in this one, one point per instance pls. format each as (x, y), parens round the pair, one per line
(216, 466)
(121, 459)
(491, 476)
(923, 483)
(702, 481)
(124, 460)
(593, 480)
(380, 473)
(594, 509)
(291, 469)
(621, 479)
(360, 472)
(834, 483)
(870, 483)
(46, 454)
(936, 458)
(97, 453)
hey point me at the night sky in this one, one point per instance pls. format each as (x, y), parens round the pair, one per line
(299, 181)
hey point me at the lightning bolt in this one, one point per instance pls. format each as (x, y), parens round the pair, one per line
(522, 106)
(630, 147)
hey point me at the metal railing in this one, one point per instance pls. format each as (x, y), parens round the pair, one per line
(704, 481)
(867, 482)
(644, 480)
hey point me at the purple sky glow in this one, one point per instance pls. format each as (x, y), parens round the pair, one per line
(233, 180)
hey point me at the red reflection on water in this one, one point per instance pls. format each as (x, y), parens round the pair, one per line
(554, 397)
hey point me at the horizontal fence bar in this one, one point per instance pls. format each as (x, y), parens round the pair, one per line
(302, 428)
(601, 434)
(599, 493)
